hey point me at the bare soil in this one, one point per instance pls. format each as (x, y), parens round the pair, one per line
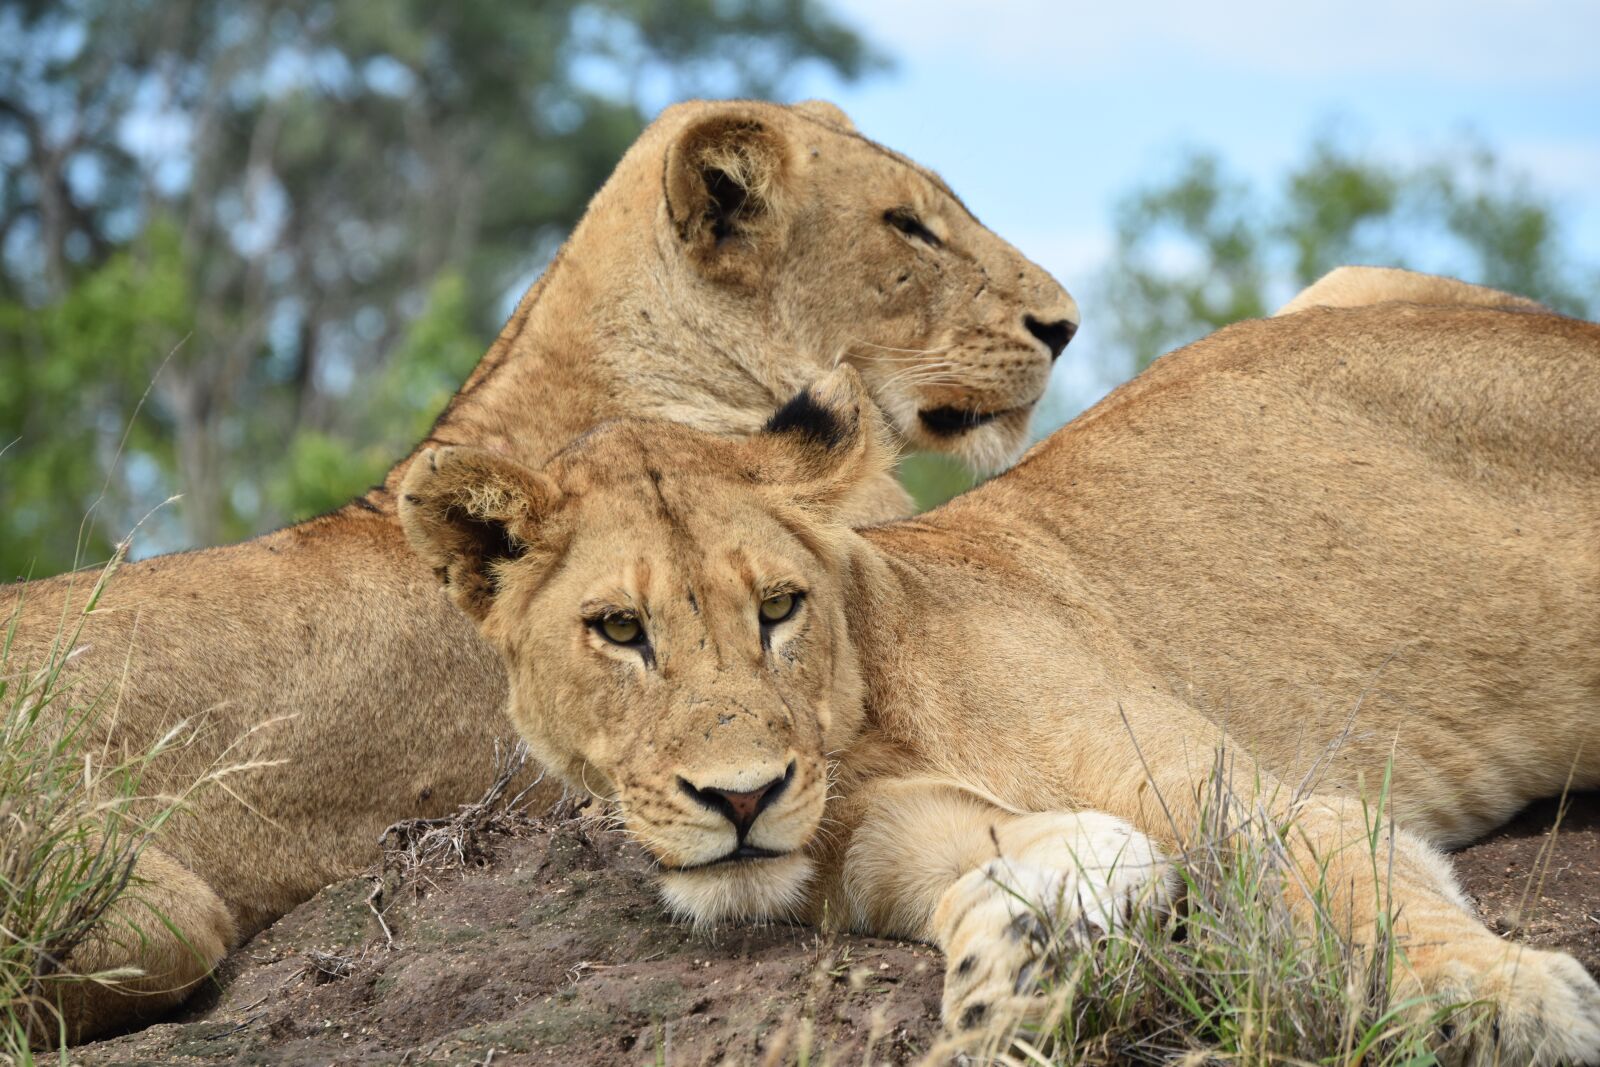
(1540, 887)
(557, 952)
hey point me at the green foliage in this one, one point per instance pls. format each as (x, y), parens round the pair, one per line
(1206, 248)
(301, 178)
(933, 479)
(1188, 259)
(74, 817)
(74, 372)
(390, 415)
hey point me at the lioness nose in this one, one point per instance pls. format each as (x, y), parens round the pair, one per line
(1055, 335)
(741, 806)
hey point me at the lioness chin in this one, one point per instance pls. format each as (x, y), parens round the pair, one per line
(1326, 543)
(739, 250)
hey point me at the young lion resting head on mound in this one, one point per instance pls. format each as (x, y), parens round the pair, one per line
(702, 685)
(915, 727)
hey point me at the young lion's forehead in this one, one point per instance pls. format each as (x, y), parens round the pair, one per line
(685, 523)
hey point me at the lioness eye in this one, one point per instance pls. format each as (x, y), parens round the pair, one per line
(905, 220)
(778, 607)
(621, 629)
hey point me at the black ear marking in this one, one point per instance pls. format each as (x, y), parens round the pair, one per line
(726, 199)
(804, 416)
(491, 542)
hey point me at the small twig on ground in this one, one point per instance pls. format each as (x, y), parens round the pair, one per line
(327, 966)
(372, 903)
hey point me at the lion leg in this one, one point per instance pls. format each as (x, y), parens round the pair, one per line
(997, 892)
(169, 928)
(1510, 1003)
(1537, 1007)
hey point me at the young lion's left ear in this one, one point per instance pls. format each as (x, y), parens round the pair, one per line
(469, 513)
(826, 444)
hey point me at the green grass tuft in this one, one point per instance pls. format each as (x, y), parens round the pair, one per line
(1234, 975)
(74, 816)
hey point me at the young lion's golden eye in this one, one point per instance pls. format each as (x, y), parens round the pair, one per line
(777, 607)
(620, 629)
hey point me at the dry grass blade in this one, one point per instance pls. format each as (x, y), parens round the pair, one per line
(1235, 975)
(414, 848)
(73, 822)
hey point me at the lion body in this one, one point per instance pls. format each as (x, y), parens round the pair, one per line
(1317, 543)
(327, 650)
(1376, 528)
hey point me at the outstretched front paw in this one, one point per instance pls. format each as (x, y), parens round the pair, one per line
(1011, 923)
(1508, 1003)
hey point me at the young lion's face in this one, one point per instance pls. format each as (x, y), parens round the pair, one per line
(670, 613)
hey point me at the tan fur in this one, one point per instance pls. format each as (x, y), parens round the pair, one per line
(1345, 287)
(739, 250)
(1316, 541)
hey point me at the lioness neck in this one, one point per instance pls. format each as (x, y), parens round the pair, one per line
(973, 575)
(617, 326)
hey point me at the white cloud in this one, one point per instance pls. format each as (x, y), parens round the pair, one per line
(1473, 41)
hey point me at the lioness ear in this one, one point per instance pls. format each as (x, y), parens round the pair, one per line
(468, 513)
(823, 111)
(827, 442)
(725, 181)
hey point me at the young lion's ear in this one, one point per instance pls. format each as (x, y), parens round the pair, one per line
(469, 513)
(826, 444)
(726, 180)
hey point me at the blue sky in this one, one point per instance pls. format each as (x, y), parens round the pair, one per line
(1039, 114)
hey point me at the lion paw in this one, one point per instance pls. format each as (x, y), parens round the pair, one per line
(1015, 923)
(1520, 1005)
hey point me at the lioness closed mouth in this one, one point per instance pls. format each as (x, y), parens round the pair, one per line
(979, 725)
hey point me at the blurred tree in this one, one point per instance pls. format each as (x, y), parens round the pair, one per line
(73, 373)
(327, 202)
(1206, 248)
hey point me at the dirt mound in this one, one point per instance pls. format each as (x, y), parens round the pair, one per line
(558, 952)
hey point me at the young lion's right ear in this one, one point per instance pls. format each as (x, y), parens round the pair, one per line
(468, 514)
(826, 445)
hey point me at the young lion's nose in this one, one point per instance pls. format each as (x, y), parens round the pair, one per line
(741, 806)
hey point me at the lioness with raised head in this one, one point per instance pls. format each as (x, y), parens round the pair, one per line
(1346, 535)
(739, 250)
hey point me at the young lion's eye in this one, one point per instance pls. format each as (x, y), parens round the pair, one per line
(620, 629)
(777, 607)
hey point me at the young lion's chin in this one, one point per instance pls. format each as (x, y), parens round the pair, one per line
(745, 891)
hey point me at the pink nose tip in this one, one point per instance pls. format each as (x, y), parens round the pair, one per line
(740, 806)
